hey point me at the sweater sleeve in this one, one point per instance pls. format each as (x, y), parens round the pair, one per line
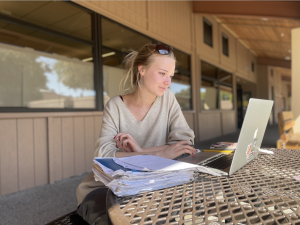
(179, 130)
(106, 145)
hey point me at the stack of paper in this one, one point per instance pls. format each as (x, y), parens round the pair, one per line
(141, 173)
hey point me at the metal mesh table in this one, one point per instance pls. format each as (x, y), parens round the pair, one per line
(265, 191)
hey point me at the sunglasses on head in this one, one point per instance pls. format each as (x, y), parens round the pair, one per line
(163, 49)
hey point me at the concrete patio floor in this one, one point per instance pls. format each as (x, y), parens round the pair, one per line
(42, 204)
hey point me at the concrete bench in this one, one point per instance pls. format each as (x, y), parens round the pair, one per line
(288, 139)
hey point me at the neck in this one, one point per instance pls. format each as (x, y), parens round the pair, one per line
(144, 97)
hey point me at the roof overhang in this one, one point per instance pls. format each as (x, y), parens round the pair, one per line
(282, 9)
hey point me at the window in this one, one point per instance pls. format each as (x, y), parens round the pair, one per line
(44, 61)
(252, 66)
(207, 32)
(271, 70)
(47, 60)
(181, 82)
(216, 88)
(225, 45)
(118, 40)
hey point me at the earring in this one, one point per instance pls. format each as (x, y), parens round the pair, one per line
(140, 83)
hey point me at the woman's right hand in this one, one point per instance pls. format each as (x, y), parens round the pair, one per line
(177, 149)
(129, 144)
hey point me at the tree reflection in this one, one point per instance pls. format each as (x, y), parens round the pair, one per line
(73, 75)
(21, 78)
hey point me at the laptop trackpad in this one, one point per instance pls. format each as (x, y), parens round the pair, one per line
(200, 156)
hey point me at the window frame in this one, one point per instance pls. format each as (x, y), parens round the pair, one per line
(225, 37)
(206, 21)
(218, 83)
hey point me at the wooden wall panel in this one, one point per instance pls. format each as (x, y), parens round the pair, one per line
(57, 149)
(8, 157)
(25, 153)
(242, 60)
(174, 22)
(252, 58)
(189, 117)
(40, 151)
(79, 147)
(68, 147)
(227, 62)
(89, 142)
(129, 13)
(206, 52)
(229, 122)
(98, 123)
(209, 125)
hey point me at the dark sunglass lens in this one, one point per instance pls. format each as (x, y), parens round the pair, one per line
(163, 52)
(163, 49)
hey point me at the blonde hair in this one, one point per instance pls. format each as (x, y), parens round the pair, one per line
(134, 59)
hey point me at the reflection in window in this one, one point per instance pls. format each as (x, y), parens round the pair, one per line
(117, 41)
(182, 93)
(68, 18)
(216, 90)
(209, 95)
(226, 97)
(33, 79)
(209, 70)
(225, 77)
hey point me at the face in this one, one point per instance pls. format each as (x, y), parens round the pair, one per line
(157, 78)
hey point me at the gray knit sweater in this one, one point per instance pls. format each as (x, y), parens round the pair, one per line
(163, 124)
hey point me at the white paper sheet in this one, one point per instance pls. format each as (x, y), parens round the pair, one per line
(155, 163)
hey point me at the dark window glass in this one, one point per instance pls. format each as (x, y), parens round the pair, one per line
(271, 72)
(40, 70)
(181, 82)
(55, 15)
(209, 70)
(225, 77)
(216, 90)
(207, 32)
(225, 45)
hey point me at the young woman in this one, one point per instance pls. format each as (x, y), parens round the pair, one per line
(149, 121)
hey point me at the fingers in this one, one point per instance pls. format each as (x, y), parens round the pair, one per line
(128, 143)
(185, 150)
(182, 145)
(121, 137)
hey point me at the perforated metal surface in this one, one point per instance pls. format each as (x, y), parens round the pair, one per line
(265, 191)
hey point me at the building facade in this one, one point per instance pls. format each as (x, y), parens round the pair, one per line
(60, 62)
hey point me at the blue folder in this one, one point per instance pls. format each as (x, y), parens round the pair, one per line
(109, 163)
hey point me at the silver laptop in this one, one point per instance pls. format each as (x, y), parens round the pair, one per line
(248, 145)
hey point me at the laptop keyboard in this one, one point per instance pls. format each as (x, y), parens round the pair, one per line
(220, 161)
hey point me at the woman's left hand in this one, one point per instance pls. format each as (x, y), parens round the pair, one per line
(129, 144)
